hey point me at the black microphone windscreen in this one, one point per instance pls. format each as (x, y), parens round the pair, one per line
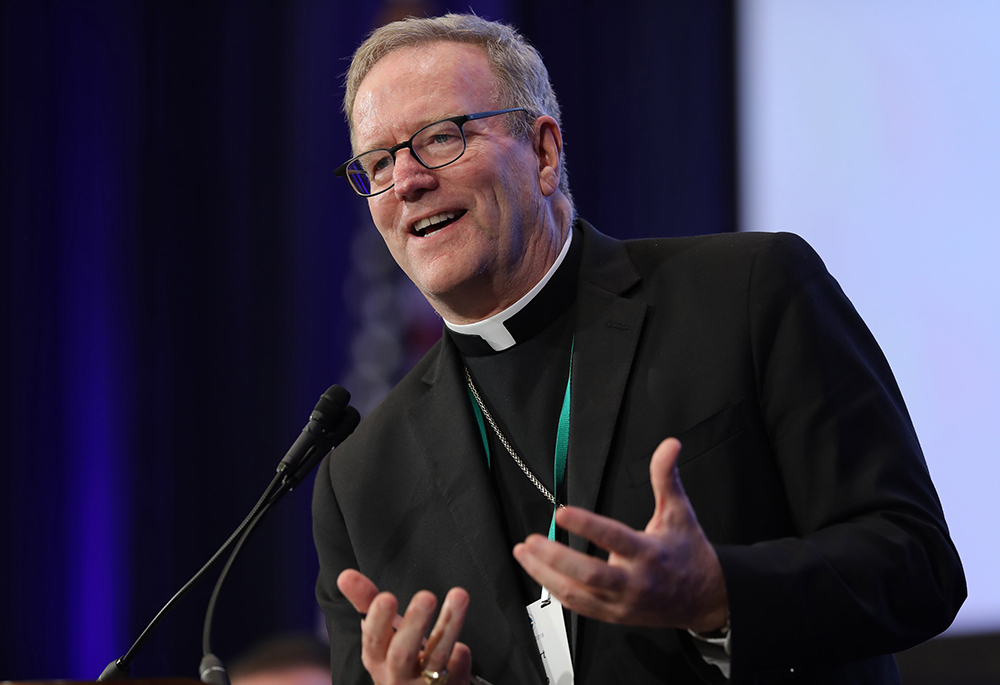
(330, 405)
(348, 422)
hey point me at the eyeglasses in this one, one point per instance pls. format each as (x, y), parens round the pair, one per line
(434, 146)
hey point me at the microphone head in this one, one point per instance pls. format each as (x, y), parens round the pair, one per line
(349, 420)
(331, 404)
(325, 419)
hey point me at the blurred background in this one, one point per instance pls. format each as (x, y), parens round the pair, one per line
(182, 275)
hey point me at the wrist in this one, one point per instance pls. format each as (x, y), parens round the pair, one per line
(714, 616)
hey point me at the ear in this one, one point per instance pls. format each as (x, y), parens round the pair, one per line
(548, 148)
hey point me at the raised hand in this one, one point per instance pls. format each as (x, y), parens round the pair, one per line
(393, 649)
(667, 575)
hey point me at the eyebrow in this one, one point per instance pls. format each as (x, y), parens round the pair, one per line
(428, 122)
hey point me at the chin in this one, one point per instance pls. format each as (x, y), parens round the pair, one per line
(446, 276)
(438, 290)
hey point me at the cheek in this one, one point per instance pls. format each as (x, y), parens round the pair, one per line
(515, 197)
(505, 194)
(382, 216)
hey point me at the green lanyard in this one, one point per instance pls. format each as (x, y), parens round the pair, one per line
(562, 441)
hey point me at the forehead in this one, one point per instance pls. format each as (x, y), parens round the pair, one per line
(414, 86)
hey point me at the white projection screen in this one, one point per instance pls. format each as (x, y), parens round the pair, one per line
(872, 129)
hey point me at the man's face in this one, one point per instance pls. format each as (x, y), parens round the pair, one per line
(487, 244)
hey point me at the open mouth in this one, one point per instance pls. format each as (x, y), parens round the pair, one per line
(425, 227)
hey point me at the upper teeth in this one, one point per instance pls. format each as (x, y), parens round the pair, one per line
(431, 220)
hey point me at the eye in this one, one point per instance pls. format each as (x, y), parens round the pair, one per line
(373, 170)
(378, 164)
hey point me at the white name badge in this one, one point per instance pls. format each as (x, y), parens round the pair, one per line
(550, 633)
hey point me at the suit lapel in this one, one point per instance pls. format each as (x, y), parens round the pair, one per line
(607, 335)
(443, 424)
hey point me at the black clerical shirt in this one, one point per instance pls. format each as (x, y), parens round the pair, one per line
(523, 388)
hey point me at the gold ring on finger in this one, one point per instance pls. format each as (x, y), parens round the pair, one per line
(435, 677)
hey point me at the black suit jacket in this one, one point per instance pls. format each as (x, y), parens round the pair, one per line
(798, 456)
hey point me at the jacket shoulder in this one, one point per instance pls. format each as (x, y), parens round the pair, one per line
(785, 249)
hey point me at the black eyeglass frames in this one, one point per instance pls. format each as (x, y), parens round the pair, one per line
(434, 146)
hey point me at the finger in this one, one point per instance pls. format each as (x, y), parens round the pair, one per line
(357, 588)
(575, 596)
(446, 630)
(460, 665)
(564, 571)
(360, 592)
(377, 627)
(663, 476)
(543, 574)
(404, 648)
(606, 533)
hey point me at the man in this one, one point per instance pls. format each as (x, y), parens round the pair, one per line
(794, 537)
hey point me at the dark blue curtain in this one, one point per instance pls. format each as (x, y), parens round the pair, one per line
(647, 89)
(174, 249)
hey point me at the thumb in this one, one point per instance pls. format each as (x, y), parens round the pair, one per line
(666, 482)
(357, 588)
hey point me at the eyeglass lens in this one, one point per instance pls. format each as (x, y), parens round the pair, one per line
(436, 145)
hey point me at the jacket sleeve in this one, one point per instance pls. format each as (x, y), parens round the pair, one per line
(871, 568)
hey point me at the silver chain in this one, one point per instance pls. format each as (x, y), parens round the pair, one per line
(503, 440)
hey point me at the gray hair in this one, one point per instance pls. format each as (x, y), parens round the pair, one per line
(521, 77)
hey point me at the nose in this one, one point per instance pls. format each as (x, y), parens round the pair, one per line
(410, 177)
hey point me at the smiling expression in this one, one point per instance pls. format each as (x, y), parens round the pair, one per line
(475, 235)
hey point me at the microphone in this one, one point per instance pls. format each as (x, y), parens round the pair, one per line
(331, 421)
(331, 437)
(325, 417)
(327, 434)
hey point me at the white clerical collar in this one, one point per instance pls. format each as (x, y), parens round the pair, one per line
(493, 330)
